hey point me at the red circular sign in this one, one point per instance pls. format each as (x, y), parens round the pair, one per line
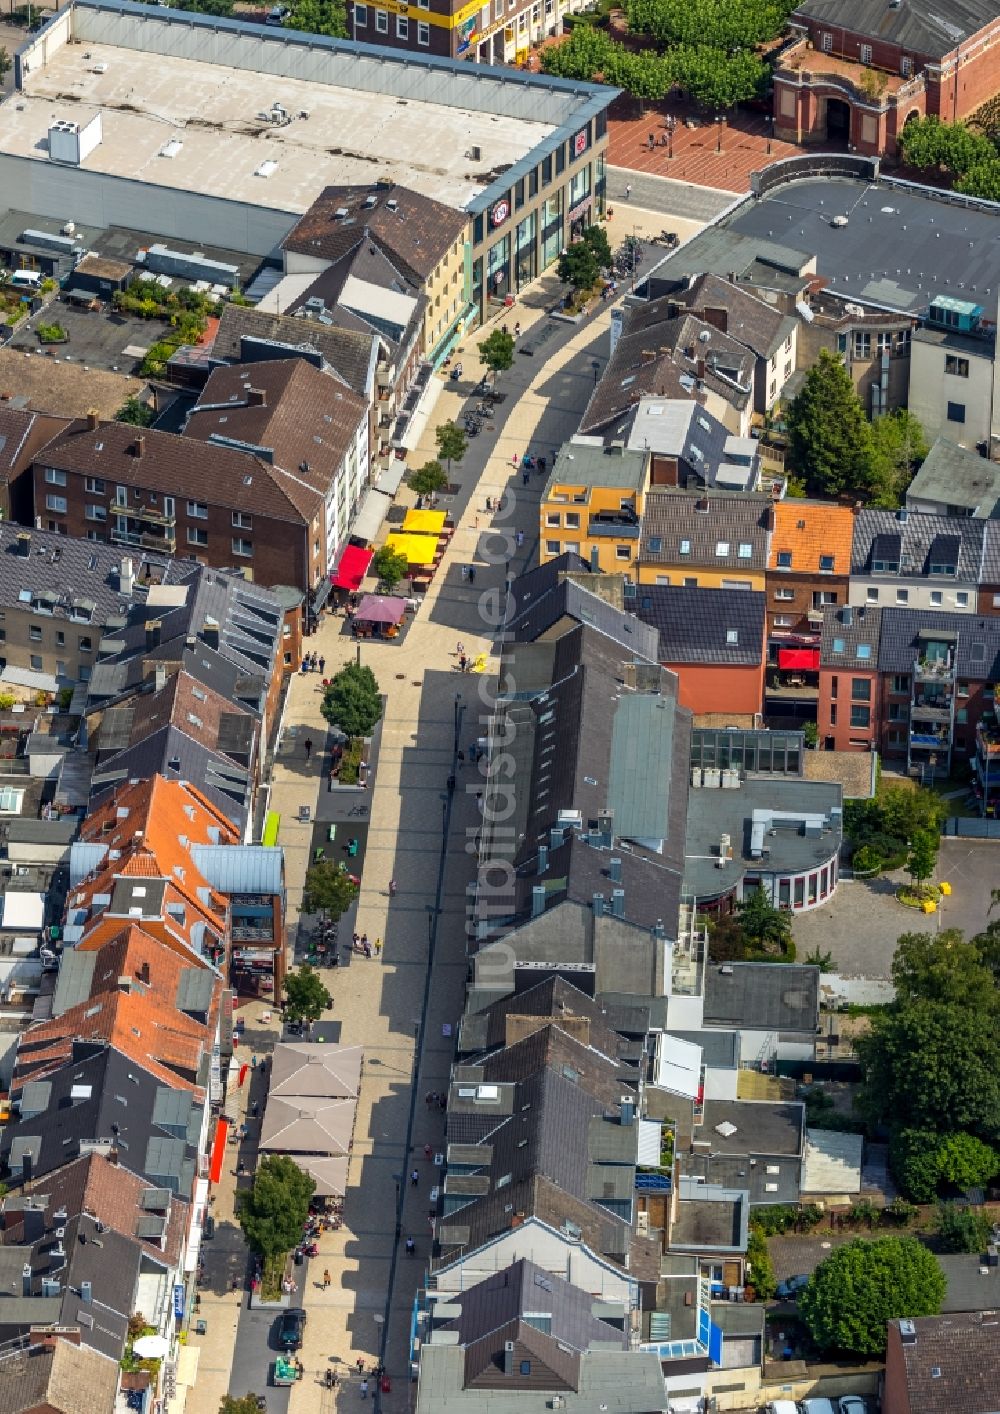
(500, 212)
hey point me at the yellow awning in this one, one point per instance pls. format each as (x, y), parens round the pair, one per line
(424, 522)
(418, 549)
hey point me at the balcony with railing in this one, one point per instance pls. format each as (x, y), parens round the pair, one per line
(934, 669)
(166, 542)
(801, 64)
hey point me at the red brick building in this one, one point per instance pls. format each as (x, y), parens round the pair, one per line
(859, 71)
(713, 639)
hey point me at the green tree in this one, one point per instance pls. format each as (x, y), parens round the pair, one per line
(727, 941)
(137, 413)
(982, 179)
(328, 890)
(932, 1066)
(273, 1212)
(830, 439)
(306, 998)
(760, 1268)
(597, 238)
(327, 17)
(390, 566)
(451, 443)
(578, 266)
(962, 1229)
(942, 967)
(862, 1285)
(765, 927)
(817, 958)
(497, 352)
(923, 856)
(925, 1164)
(242, 1404)
(810, 733)
(6, 64)
(353, 701)
(220, 8)
(898, 448)
(428, 479)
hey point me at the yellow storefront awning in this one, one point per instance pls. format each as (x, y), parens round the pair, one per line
(418, 549)
(424, 522)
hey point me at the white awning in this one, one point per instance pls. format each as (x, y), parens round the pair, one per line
(678, 1065)
(368, 521)
(650, 1136)
(388, 480)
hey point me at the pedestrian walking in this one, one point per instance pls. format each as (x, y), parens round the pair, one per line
(472, 574)
(253, 1062)
(525, 475)
(411, 1247)
(255, 1109)
(442, 1102)
(308, 747)
(520, 538)
(378, 947)
(628, 190)
(517, 330)
(462, 662)
(489, 504)
(515, 461)
(429, 1098)
(392, 888)
(465, 571)
(459, 647)
(322, 665)
(414, 1179)
(428, 1151)
(326, 1277)
(652, 141)
(364, 1389)
(360, 1364)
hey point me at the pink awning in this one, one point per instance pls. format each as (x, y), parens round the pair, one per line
(353, 567)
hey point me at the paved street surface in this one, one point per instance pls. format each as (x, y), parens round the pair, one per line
(669, 196)
(416, 833)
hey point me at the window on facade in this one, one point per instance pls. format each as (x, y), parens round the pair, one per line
(242, 521)
(883, 343)
(937, 598)
(962, 599)
(36, 662)
(402, 27)
(863, 650)
(94, 485)
(381, 22)
(784, 559)
(722, 548)
(86, 645)
(861, 689)
(745, 551)
(906, 66)
(957, 367)
(197, 510)
(956, 412)
(197, 537)
(862, 343)
(901, 682)
(871, 596)
(826, 42)
(560, 156)
(826, 564)
(96, 513)
(552, 547)
(423, 32)
(902, 596)
(35, 633)
(623, 552)
(54, 477)
(56, 503)
(833, 714)
(861, 716)
(243, 547)
(783, 621)
(572, 520)
(784, 594)
(838, 645)
(866, 53)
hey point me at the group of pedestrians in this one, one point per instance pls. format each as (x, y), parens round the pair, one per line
(313, 663)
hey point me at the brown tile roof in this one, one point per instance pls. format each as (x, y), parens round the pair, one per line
(61, 1378)
(748, 319)
(305, 419)
(705, 523)
(952, 1364)
(22, 433)
(348, 353)
(809, 529)
(418, 231)
(179, 466)
(190, 706)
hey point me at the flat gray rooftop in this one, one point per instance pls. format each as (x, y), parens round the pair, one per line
(900, 248)
(348, 136)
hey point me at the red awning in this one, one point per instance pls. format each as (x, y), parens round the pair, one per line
(353, 567)
(218, 1151)
(807, 658)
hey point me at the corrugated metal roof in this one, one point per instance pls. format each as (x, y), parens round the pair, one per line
(245, 869)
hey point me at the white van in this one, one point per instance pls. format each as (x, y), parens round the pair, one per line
(26, 279)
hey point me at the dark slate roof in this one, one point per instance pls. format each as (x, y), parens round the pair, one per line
(950, 1365)
(773, 1134)
(905, 633)
(762, 327)
(570, 599)
(851, 637)
(250, 336)
(535, 583)
(416, 229)
(918, 26)
(156, 1127)
(970, 1287)
(706, 522)
(762, 996)
(372, 266)
(910, 538)
(554, 998)
(704, 625)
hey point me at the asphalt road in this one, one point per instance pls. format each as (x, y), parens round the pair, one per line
(672, 198)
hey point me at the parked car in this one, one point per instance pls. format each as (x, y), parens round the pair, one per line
(816, 1406)
(851, 1404)
(790, 1288)
(293, 1326)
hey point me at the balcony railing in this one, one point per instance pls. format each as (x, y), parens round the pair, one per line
(166, 543)
(931, 711)
(934, 669)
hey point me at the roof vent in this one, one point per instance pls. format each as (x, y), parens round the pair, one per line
(392, 203)
(340, 214)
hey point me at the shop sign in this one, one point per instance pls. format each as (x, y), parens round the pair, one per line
(577, 211)
(499, 212)
(581, 142)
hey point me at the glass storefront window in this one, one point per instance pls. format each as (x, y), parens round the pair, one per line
(498, 269)
(601, 186)
(579, 186)
(552, 229)
(527, 251)
(546, 170)
(560, 159)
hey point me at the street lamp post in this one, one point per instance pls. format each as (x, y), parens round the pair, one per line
(718, 134)
(595, 365)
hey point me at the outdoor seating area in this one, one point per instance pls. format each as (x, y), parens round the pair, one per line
(379, 616)
(423, 540)
(352, 569)
(311, 1110)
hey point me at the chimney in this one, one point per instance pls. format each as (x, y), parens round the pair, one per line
(615, 869)
(138, 446)
(57, 1256)
(538, 900)
(24, 543)
(126, 576)
(606, 826)
(93, 420)
(34, 1223)
(153, 627)
(658, 929)
(769, 518)
(718, 318)
(543, 858)
(508, 1357)
(160, 677)
(555, 836)
(907, 1332)
(86, 1293)
(597, 904)
(702, 505)
(256, 398)
(26, 1279)
(649, 355)
(627, 1104)
(210, 632)
(595, 559)
(27, 1169)
(618, 903)
(700, 370)
(144, 973)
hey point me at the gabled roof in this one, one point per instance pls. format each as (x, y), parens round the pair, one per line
(953, 476)
(811, 533)
(949, 1363)
(554, 999)
(921, 26)
(712, 530)
(22, 434)
(414, 228)
(552, 602)
(906, 633)
(851, 637)
(181, 467)
(762, 327)
(709, 626)
(250, 336)
(907, 539)
(60, 1377)
(299, 421)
